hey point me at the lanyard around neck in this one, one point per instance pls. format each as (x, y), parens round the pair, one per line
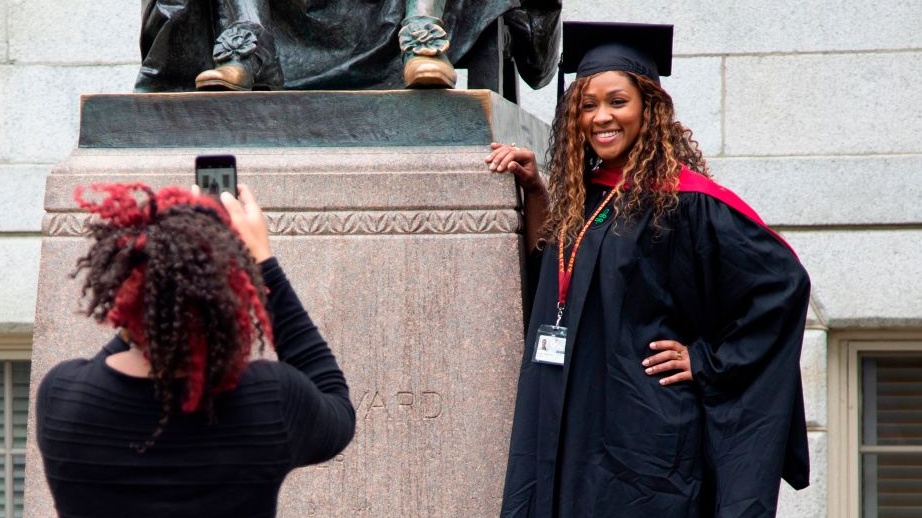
(565, 268)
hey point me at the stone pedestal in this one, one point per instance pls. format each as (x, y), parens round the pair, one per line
(404, 248)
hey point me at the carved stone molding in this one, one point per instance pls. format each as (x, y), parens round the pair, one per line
(65, 224)
(395, 222)
(470, 221)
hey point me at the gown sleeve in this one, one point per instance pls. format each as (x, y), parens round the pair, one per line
(749, 304)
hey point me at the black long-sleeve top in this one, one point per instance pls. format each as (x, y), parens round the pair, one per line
(281, 415)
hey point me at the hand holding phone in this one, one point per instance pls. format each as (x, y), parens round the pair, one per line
(248, 219)
(215, 174)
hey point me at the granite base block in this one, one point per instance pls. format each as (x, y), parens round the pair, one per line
(407, 256)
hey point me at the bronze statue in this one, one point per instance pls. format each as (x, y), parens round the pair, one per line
(329, 44)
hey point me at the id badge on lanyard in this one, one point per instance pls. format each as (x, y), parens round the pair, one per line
(550, 345)
(551, 340)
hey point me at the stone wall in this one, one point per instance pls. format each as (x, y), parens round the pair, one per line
(49, 55)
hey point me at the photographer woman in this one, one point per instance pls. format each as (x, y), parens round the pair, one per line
(171, 417)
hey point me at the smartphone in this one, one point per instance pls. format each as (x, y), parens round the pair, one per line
(215, 174)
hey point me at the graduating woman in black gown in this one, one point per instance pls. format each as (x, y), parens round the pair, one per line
(671, 386)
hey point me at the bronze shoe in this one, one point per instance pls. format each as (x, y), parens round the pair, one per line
(429, 72)
(232, 76)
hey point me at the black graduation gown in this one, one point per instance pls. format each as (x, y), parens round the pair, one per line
(597, 437)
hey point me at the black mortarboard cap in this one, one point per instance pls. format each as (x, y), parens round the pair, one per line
(592, 47)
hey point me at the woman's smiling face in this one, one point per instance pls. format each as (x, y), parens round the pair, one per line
(611, 115)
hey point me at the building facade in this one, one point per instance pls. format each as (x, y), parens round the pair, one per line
(808, 110)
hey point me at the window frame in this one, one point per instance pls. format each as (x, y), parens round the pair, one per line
(844, 454)
(13, 347)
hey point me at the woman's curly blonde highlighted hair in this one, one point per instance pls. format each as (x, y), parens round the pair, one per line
(652, 167)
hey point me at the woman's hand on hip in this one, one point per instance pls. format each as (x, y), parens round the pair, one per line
(671, 357)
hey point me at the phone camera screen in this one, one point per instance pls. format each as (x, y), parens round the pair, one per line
(215, 174)
(217, 180)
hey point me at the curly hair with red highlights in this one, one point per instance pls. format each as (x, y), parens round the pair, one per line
(652, 169)
(168, 268)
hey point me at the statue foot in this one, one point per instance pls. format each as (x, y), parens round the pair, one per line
(226, 77)
(247, 60)
(234, 76)
(429, 72)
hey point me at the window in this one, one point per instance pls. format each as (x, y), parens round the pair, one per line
(881, 402)
(14, 412)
